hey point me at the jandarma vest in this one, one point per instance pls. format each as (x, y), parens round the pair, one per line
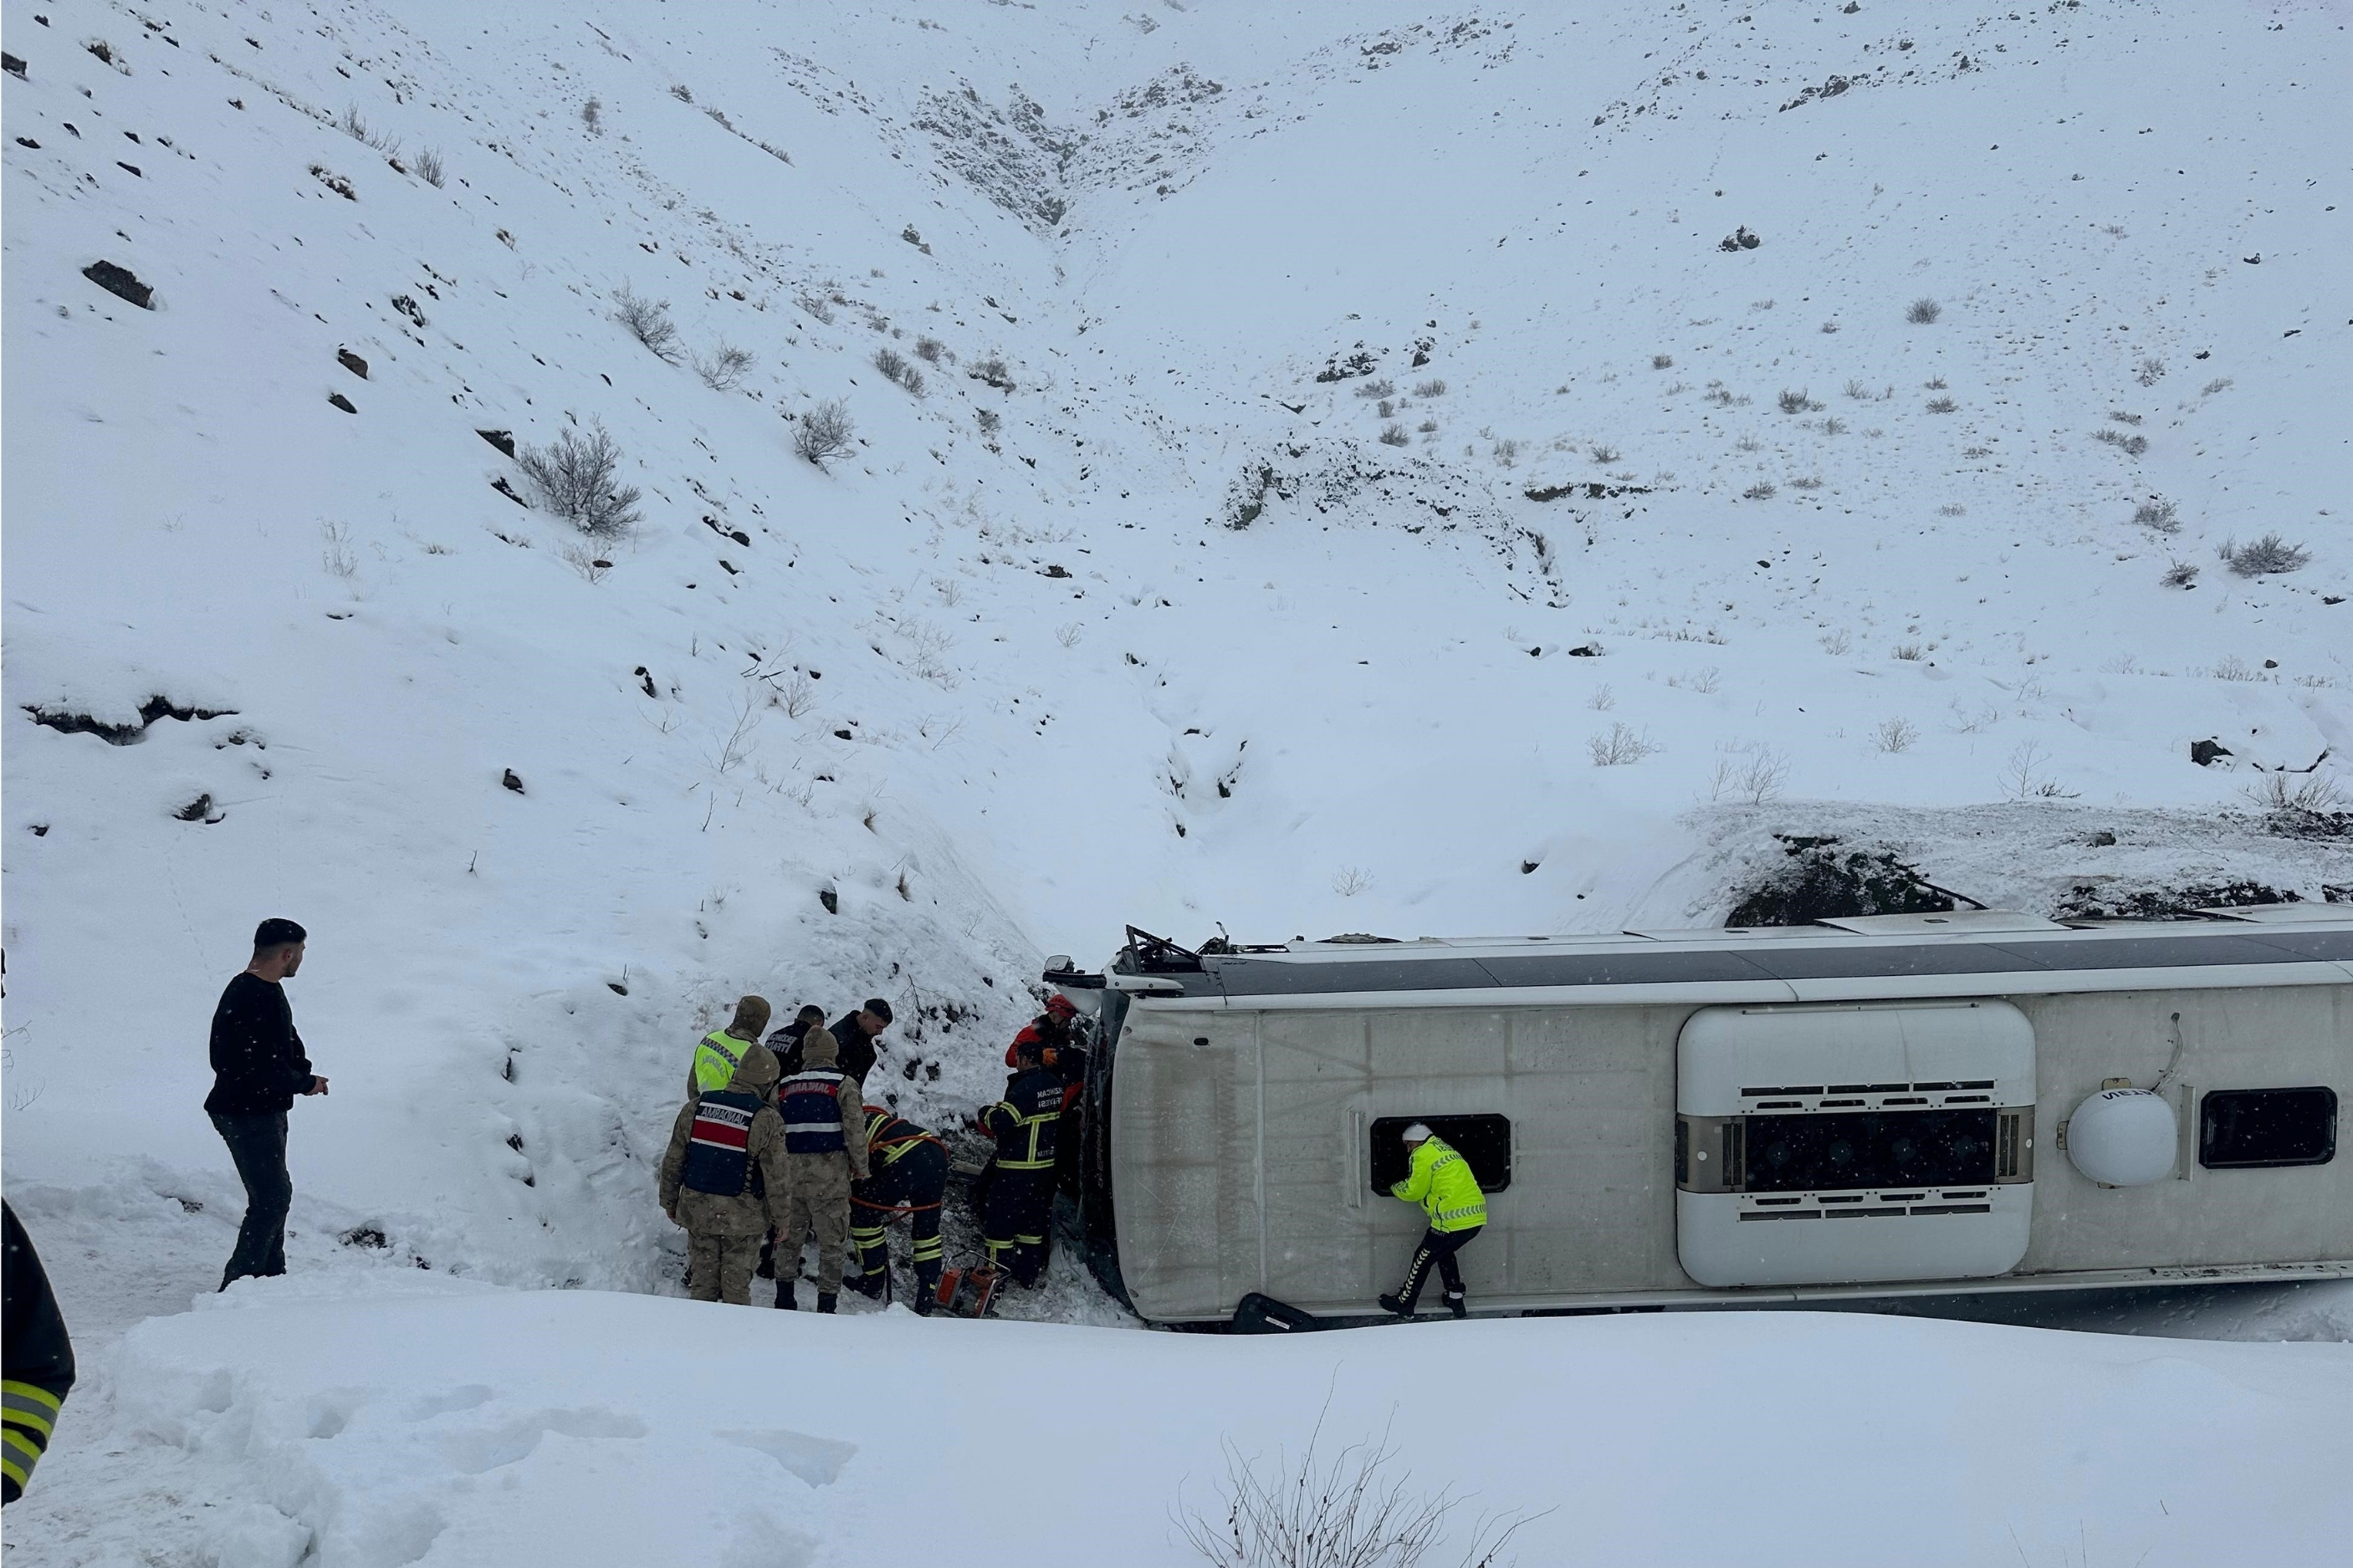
(810, 1103)
(717, 1156)
(716, 1058)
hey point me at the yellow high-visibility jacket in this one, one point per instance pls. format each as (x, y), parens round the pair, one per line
(1441, 1183)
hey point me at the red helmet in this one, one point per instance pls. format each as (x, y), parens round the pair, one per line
(1061, 1006)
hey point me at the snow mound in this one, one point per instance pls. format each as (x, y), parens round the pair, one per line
(592, 1428)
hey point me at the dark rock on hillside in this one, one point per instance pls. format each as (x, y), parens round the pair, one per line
(1821, 881)
(120, 282)
(353, 363)
(502, 439)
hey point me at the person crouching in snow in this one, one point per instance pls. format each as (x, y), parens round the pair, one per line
(1439, 1180)
(724, 1178)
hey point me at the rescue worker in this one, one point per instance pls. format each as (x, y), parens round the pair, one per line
(1055, 1032)
(39, 1359)
(1019, 1207)
(723, 1177)
(719, 1053)
(1439, 1180)
(909, 1175)
(853, 1036)
(825, 1150)
(787, 1042)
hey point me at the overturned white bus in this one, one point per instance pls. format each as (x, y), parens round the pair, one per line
(1891, 1105)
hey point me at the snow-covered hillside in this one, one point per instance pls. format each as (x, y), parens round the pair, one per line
(1339, 478)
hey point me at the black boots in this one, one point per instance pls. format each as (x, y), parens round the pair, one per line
(869, 1285)
(826, 1301)
(784, 1296)
(1454, 1304)
(1396, 1306)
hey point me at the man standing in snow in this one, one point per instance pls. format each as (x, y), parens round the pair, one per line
(719, 1053)
(825, 1150)
(787, 1042)
(1439, 1180)
(723, 1178)
(258, 1069)
(854, 1036)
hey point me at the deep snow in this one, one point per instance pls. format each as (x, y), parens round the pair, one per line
(993, 694)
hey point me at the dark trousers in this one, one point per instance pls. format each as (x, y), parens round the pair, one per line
(1020, 1213)
(912, 1186)
(1437, 1248)
(258, 1144)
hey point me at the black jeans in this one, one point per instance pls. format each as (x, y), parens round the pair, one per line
(1437, 1248)
(258, 1144)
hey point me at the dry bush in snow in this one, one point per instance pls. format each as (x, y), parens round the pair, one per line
(2179, 574)
(1620, 745)
(1394, 436)
(824, 432)
(1433, 387)
(647, 321)
(1894, 735)
(1923, 312)
(2259, 557)
(726, 369)
(2158, 513)
(429, 167)
(578, 477)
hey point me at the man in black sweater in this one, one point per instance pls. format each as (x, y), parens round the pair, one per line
(258, 1069)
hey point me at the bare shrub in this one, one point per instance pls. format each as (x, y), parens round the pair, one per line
(349, 123)
(2220, 383)
(1762, 489)
(1806, 482)
(1952, 509)
(929, 350)
(824, 432)
(647, 321)
(2149, 372)
(1662, 362)
(2179, 574)
(1720, 396)
(2268, 554)
(1433, 387)
(2294, 795)
(1943, 405)
(2158, 513)
(989, 421)
(1751, 773)
(578, 477)
(1910, 652)
(592, 114)
(1347, 881)
(2026, 776)
(428, 163)
(1833, 426)
(1381, 388)
(2133, 446)
(1428, 427)
(797, 695)
(1386, 409)
(1604, 455)
(1856, 390)
(1621, 745)
(991, 372)
(1923, 312)
(1895, 736)
(338, 558)
(1394, 436)
(1749, 443)
(726, 369)
(1602, 698)
(816, 306)
(1830, 326)
(2231, 667)
(678, 90)
(586, 559)
(1507, 452)
(1794, 401)
(894, 365)
(1838, 642)
(1354, 1511)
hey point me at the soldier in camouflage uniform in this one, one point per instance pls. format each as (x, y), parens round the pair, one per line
(724, 1178)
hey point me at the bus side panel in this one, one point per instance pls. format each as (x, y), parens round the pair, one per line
(2276, 1037)
(1185, 1157)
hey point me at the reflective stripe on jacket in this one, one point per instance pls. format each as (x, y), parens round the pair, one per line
(890, 1137)
(40, 1363)
(1025, 1122)
(716, 1058)
(1441, 1183)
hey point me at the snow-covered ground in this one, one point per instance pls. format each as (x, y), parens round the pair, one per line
(1128, 616)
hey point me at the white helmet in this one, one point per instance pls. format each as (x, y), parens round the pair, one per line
(1419, 1133)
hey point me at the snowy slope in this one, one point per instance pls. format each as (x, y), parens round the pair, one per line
(1149, 626)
